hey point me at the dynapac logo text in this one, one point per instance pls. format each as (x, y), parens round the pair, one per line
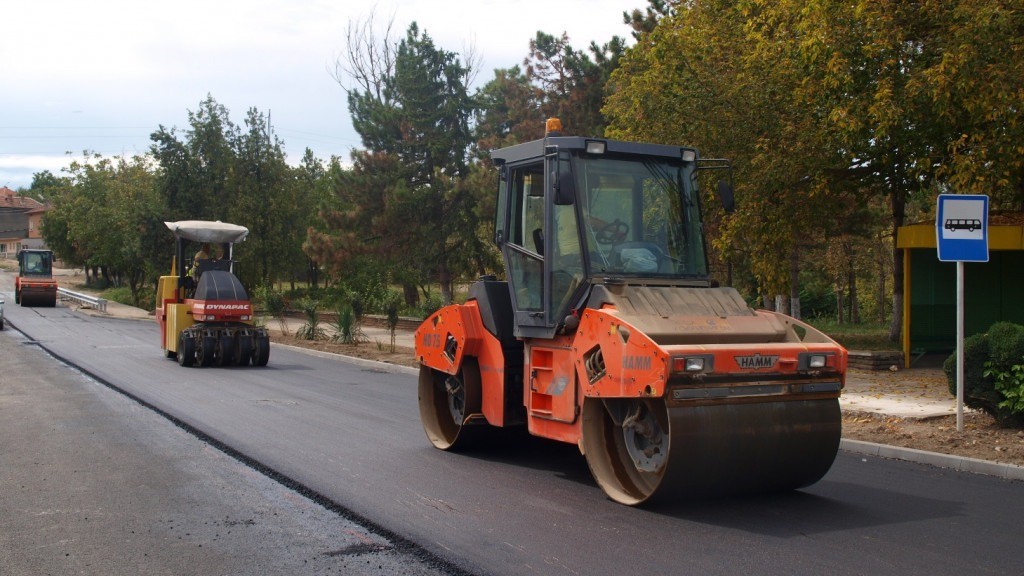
(756, 361)
(227, 307)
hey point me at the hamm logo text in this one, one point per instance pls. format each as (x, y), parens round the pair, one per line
(756, 361)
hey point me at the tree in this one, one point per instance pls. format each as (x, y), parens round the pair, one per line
(570, 84)
(976, 84)
(265, 199)
(711, 75)
(874, 98)
(194, 173)
(106, 214)
(645, 21)
(413, 117)
(508, 112)
(313, 193)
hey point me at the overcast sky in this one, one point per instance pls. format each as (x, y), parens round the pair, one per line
(103, 75)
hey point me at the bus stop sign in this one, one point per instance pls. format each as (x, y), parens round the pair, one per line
(961, 225)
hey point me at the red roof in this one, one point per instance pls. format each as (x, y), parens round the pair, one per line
(10, 199)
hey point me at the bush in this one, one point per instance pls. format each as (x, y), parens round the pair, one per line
(985, 357)
(270, 301)
(273, 303)
(311, 329)
(1006, 344)
(427, 306)
(1009, 383)
(123, 295)
(346, 327)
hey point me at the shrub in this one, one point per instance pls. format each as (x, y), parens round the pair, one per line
(987, 356)
(311, 330)
(1009, 383)
(346, 327)
(432, 303)
(123, 295)
(273, 303)
(1006, 344)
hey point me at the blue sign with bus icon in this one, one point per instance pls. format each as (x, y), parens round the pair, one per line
(961, 226)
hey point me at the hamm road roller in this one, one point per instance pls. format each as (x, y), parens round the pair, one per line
(203, 310)
(35, 285)
(609, 333)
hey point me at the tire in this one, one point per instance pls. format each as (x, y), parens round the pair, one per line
(207, 348)
(186, 350)
(243, 349)
(226, 350)
(261, 352)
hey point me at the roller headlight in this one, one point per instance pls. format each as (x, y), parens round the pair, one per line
(692, 364)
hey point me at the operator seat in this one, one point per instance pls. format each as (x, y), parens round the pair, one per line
(637, 257)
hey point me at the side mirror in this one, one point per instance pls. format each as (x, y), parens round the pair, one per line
(564, 187)
(725, 195)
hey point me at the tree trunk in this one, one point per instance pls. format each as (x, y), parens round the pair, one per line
(881, 286)
(898, 203)
(840, 302)
(781, 304)
(854, 306)
(445, 279)
(314, 277)
(412, 295)
(794, 283)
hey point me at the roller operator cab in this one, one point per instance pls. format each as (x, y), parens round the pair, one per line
(609, 333)
(204, 312)
(35, 285)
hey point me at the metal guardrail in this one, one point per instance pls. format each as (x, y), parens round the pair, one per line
(85, 299)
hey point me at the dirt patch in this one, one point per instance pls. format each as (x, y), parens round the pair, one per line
(981, 438)
(400, 356)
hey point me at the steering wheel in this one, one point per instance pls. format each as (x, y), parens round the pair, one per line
(612, 233)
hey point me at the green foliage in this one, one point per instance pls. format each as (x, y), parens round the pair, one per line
(403, 205)
(432, 303)
(1009, 383)
(106, 214)
(271, 302)
(981, 368)
(1005, 344)
(570, 83)
(825, 106)
(394, 301)
(145, 298)
(865, 336)
(817, 301)
(109, 213)
(347, 329)
(310, 329)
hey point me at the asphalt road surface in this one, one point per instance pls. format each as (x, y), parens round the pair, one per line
(349, 434)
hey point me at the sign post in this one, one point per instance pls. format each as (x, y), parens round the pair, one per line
(961, 228)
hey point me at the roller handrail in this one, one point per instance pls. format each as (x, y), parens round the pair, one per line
(94, 301)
